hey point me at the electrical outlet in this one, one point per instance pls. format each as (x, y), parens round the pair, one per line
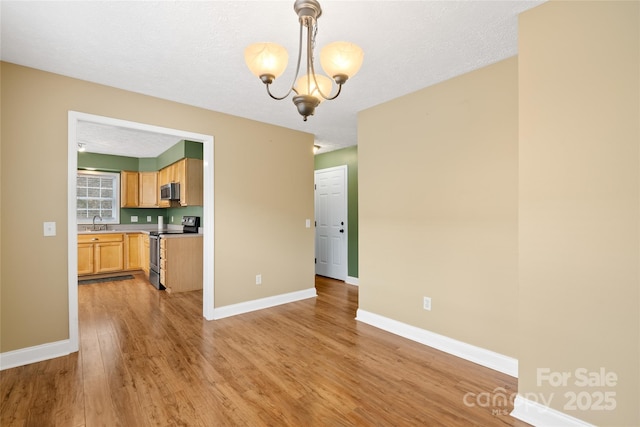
(149, 219)
(258, 279)
(134, 218)
(426, 303)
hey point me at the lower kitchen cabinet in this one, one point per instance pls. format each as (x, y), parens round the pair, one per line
(85, 258)
(181, 263)
(133, 251)
(109, 252)
(108, 256)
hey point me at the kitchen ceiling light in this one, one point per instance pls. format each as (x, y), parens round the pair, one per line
(316, 148)
(81, 147)
(340, 60)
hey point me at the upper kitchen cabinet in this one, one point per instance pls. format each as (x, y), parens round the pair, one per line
(148, 189)
(129, 189)
(138, 189)
(188, 173)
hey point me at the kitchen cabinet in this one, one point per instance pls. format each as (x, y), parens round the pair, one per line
(100, 253)
(85, 258)
(139, 189)
(133, 251)
(108, 257)
(181, 263)
(148, 189)
(189, 173)
(129, 192)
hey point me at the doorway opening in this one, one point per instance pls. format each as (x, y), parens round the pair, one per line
(72, 237)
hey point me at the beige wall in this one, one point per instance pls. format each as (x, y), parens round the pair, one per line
(579, 202)
(263, 194)
(438, 173)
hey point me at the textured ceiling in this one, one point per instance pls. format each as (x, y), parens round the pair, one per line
(192, 51)
(116, 140)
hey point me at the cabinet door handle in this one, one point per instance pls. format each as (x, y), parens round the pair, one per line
(94, 239)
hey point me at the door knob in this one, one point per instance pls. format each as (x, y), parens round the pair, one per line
(342, 230)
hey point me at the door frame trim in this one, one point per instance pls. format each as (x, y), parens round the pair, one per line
(345, 169)
(72, 234)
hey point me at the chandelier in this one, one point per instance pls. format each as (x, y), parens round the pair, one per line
(340, 60)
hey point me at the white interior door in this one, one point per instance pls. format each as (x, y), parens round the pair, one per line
(331, 222)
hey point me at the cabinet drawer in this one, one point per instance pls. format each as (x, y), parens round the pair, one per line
(100, 238)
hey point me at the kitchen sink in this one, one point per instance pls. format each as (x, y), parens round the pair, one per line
(91, 230)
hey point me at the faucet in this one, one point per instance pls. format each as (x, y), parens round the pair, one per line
(94, 221)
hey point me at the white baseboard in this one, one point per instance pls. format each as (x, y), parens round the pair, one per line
(38, 353)
(539, 415)
(481, 356)
(259, 304)
(352, 280)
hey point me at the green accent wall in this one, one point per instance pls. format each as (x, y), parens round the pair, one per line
(346, 156)
(193, 150)
(182, 149)
(177, 214)
(148, 164)
(107, 162)
(111, 163)
(142, 214)
(167, 213)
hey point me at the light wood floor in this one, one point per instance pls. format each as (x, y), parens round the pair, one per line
(149, 359)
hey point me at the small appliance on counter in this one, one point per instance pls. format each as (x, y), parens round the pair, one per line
(190, 224)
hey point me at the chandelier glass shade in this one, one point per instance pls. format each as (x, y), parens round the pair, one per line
(266, 59)
(340, 60)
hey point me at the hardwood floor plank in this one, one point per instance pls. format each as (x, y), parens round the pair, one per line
(148, 358)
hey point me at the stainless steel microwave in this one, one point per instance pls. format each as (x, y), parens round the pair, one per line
(170, 191)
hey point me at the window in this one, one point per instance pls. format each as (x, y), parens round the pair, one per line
(98, 194)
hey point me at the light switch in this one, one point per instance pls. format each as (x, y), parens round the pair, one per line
(308, 223)
(148, 219)
(49, 229)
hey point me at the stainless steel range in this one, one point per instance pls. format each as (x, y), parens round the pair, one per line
(190, 224)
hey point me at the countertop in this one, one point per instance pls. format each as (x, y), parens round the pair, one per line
(131, 231)
(181, 236)
(112, 231)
